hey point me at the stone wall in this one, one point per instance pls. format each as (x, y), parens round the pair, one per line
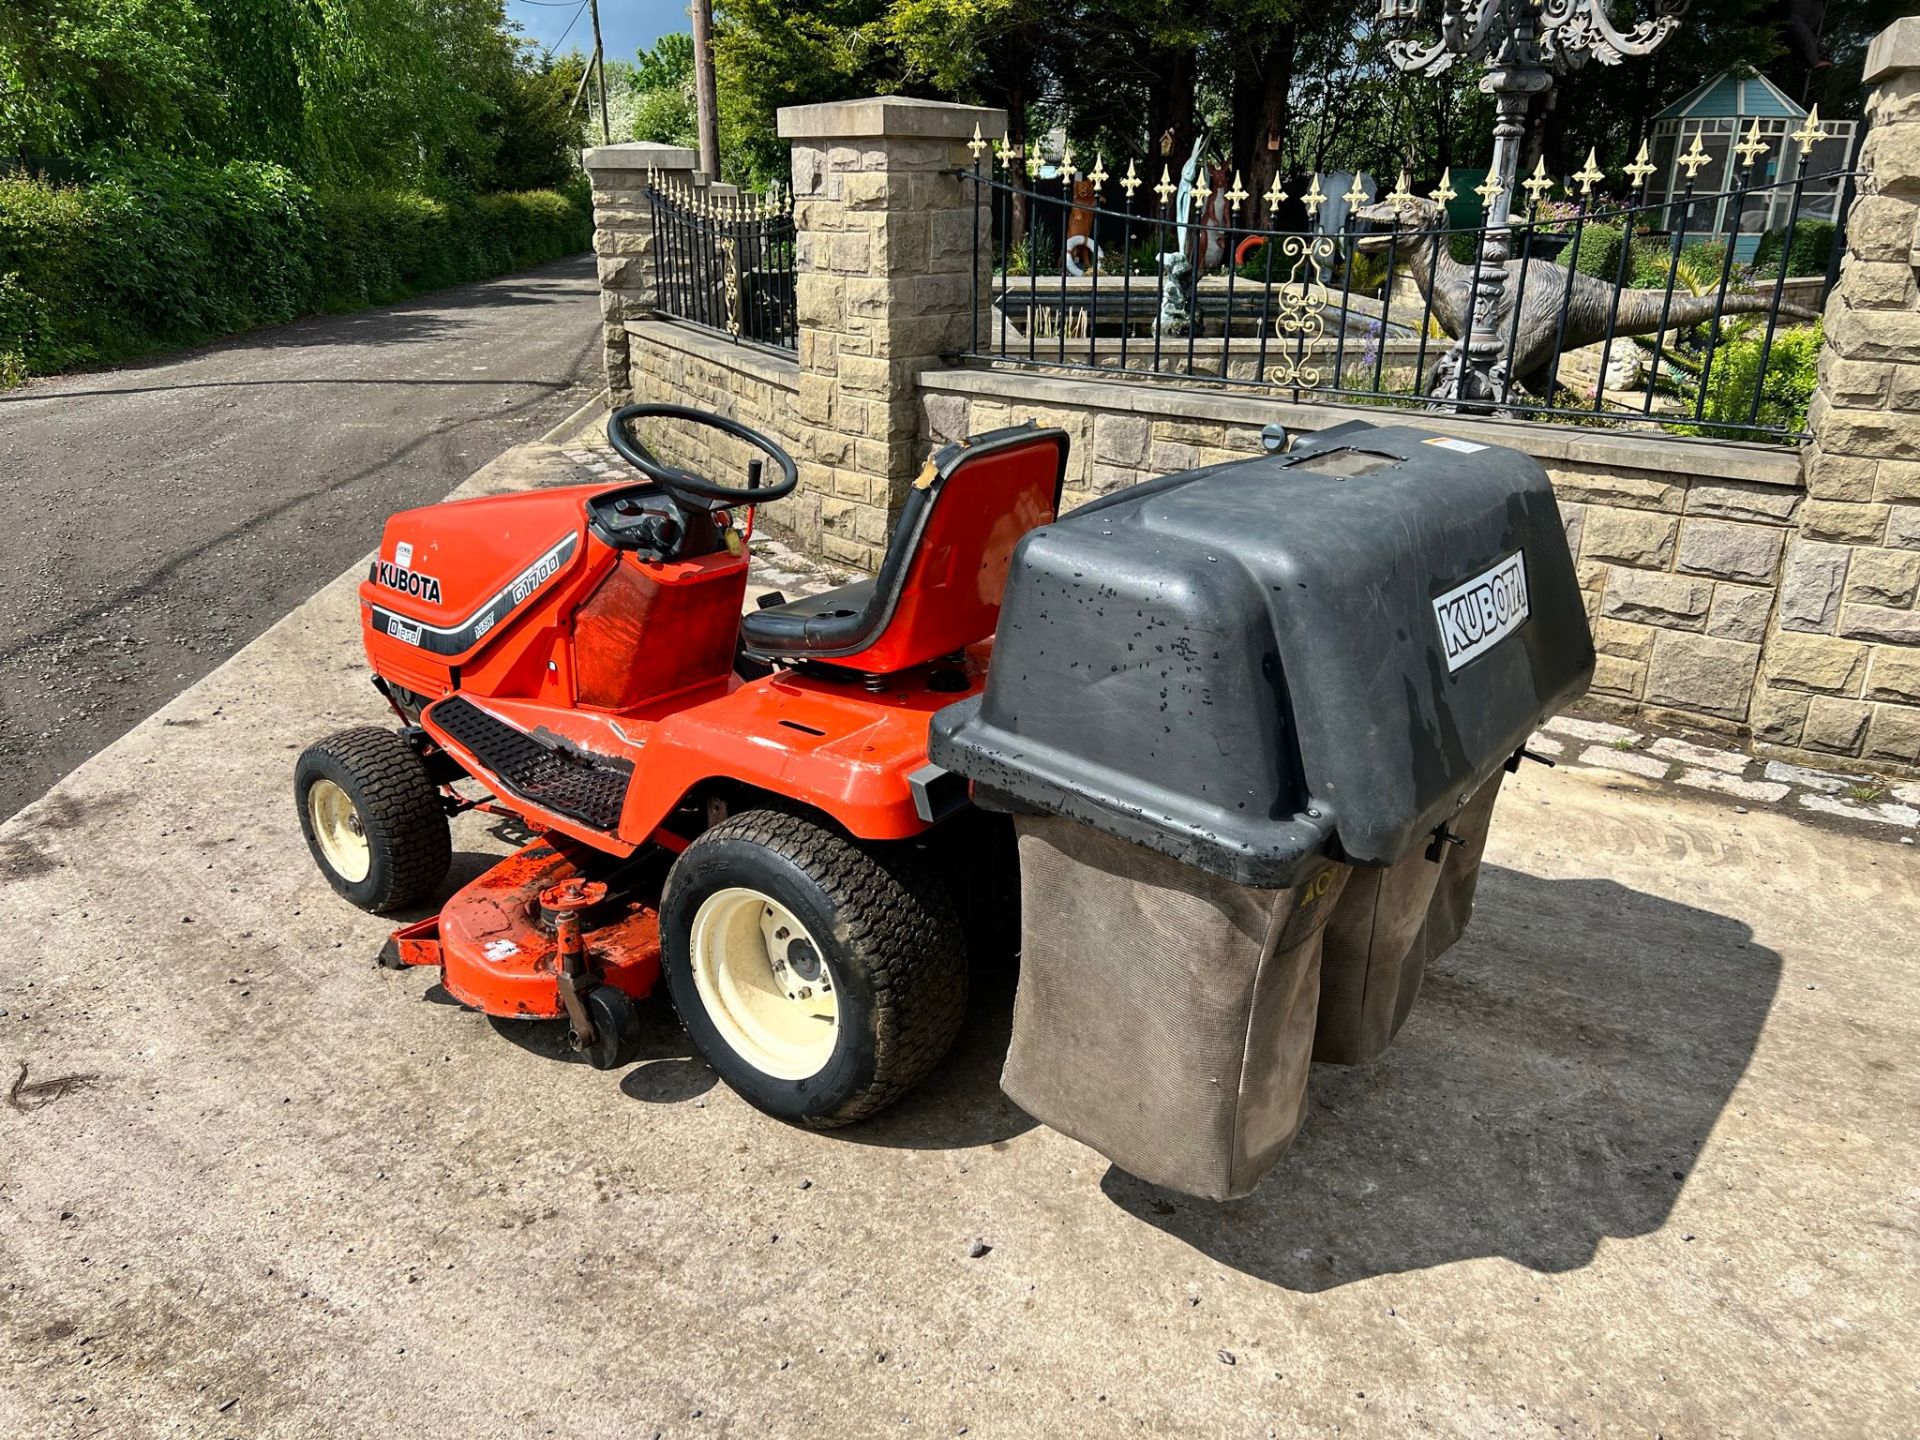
(1678, 542)
(1842, 670)
(623, 242)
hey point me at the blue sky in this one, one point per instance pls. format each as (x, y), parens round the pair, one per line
(628, 26)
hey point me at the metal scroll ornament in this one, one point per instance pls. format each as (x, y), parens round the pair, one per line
(1561, 35)
(730, 278)
(1299, 315)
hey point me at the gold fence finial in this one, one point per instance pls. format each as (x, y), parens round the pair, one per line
(1590, 174)
(1444, 193)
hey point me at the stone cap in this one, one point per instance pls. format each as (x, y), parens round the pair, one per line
(640, 155)
(1894, 49)
(891, 115)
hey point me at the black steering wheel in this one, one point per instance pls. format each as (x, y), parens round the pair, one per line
(683, 484)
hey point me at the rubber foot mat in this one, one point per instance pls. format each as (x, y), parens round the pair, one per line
(590, 789)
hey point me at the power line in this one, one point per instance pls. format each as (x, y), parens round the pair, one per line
(578, 12)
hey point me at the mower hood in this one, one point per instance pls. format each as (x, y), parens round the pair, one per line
(446, 575)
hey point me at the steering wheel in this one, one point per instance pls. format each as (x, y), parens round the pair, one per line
(683, 484)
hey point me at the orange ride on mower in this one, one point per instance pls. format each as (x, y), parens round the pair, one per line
(1228, 778)
(742, 804)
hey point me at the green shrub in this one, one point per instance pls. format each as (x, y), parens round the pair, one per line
(1598, 253)
(1792, 371)
(1808, 255)
(169, 252)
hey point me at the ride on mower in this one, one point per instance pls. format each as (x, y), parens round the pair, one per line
(1223, 785)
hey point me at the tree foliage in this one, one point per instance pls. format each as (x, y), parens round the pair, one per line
(337, 90)
(1282, 86)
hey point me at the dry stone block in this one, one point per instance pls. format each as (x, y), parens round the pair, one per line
(1874, 334)
(1880, 227)
(1727, 551)
(1816, 663)
(1880, 622)
(1739, 612)
(1897, 480)
(1883, 577)
(1810, 588)
(1856, 382)
(1779, 715)
(1903, 526)
(946, 417)
(1120, 439)
(1894, 674)
(1573, 519)
(1633, 492)
(1629, 537)
(1743, 500)
(1879, 284)
(1650, 598)
(1624, 639)
(1840, 477)
(1893, 735)
(1698, 672)
(1836, 727)
(1615, 676)
(1843, 522)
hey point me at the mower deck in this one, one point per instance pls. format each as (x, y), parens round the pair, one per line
(498, 948)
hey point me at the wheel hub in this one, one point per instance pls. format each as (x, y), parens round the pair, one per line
(765, 983)
(341, 834)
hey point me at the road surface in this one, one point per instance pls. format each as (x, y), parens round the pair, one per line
(160, 516)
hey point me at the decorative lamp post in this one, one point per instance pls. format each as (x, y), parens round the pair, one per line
(1524, 44)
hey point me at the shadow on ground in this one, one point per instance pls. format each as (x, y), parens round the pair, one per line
(1553, 1088)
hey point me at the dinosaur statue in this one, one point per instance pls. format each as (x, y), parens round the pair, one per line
(1446, 286)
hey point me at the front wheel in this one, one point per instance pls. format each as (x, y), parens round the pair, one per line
(372, 818)
(821, 978)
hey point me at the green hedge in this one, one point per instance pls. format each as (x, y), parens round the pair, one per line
(170, 253)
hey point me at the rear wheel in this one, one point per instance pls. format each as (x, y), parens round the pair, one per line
(372, 818)
(820, 978)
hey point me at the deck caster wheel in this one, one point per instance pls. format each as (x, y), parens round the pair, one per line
(820, 977)
(616, 1028)
(372, 818)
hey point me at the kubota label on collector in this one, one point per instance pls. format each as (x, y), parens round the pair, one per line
(1476, 616)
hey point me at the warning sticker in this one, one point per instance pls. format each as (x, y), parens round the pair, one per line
(1447, 442)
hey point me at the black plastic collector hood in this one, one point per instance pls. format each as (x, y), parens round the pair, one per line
(1252, 665)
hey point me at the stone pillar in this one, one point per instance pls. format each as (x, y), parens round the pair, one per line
(1841, 672)
(623, 241)
(885, 245)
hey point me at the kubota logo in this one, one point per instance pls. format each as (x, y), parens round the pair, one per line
(1477, 615)
(407, 582)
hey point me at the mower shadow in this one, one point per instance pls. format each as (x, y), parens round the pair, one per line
(666, 1073)
(960, 1106)
(1553, 1088)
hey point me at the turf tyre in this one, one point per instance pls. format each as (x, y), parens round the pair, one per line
(397, 807)
(889, 938)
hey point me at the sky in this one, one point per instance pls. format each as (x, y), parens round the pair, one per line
(628, 26)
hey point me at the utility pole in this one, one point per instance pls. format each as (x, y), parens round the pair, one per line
(706, 115)
(600, 64)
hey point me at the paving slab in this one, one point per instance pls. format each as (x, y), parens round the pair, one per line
(1641, 1162)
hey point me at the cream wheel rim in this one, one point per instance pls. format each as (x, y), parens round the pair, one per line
(764, 982)
(337, 828)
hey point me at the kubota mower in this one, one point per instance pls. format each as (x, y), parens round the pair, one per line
(1232, 766)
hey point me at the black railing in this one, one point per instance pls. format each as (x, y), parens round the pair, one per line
(725, 263)
(1611, 312)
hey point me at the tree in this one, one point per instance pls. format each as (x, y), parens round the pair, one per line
(661, 92)
(79, 74)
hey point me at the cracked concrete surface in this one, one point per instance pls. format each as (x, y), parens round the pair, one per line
(1642, 1161)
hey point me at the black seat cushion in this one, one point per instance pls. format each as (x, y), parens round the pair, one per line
(832, 622)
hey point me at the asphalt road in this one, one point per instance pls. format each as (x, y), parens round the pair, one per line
(158, 517)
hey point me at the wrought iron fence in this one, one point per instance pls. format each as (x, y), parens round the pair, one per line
(726, 262)
(1613, 311)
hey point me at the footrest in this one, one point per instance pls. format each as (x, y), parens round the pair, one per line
(590, 789)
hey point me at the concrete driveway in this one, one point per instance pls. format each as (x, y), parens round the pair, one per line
(1642, 1162)
(161, 515)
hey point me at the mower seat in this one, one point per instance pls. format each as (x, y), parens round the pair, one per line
(939, 586)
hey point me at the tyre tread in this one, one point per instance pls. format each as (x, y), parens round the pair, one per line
(403, 803)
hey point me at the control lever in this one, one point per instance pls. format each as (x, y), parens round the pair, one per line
(754, 470)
